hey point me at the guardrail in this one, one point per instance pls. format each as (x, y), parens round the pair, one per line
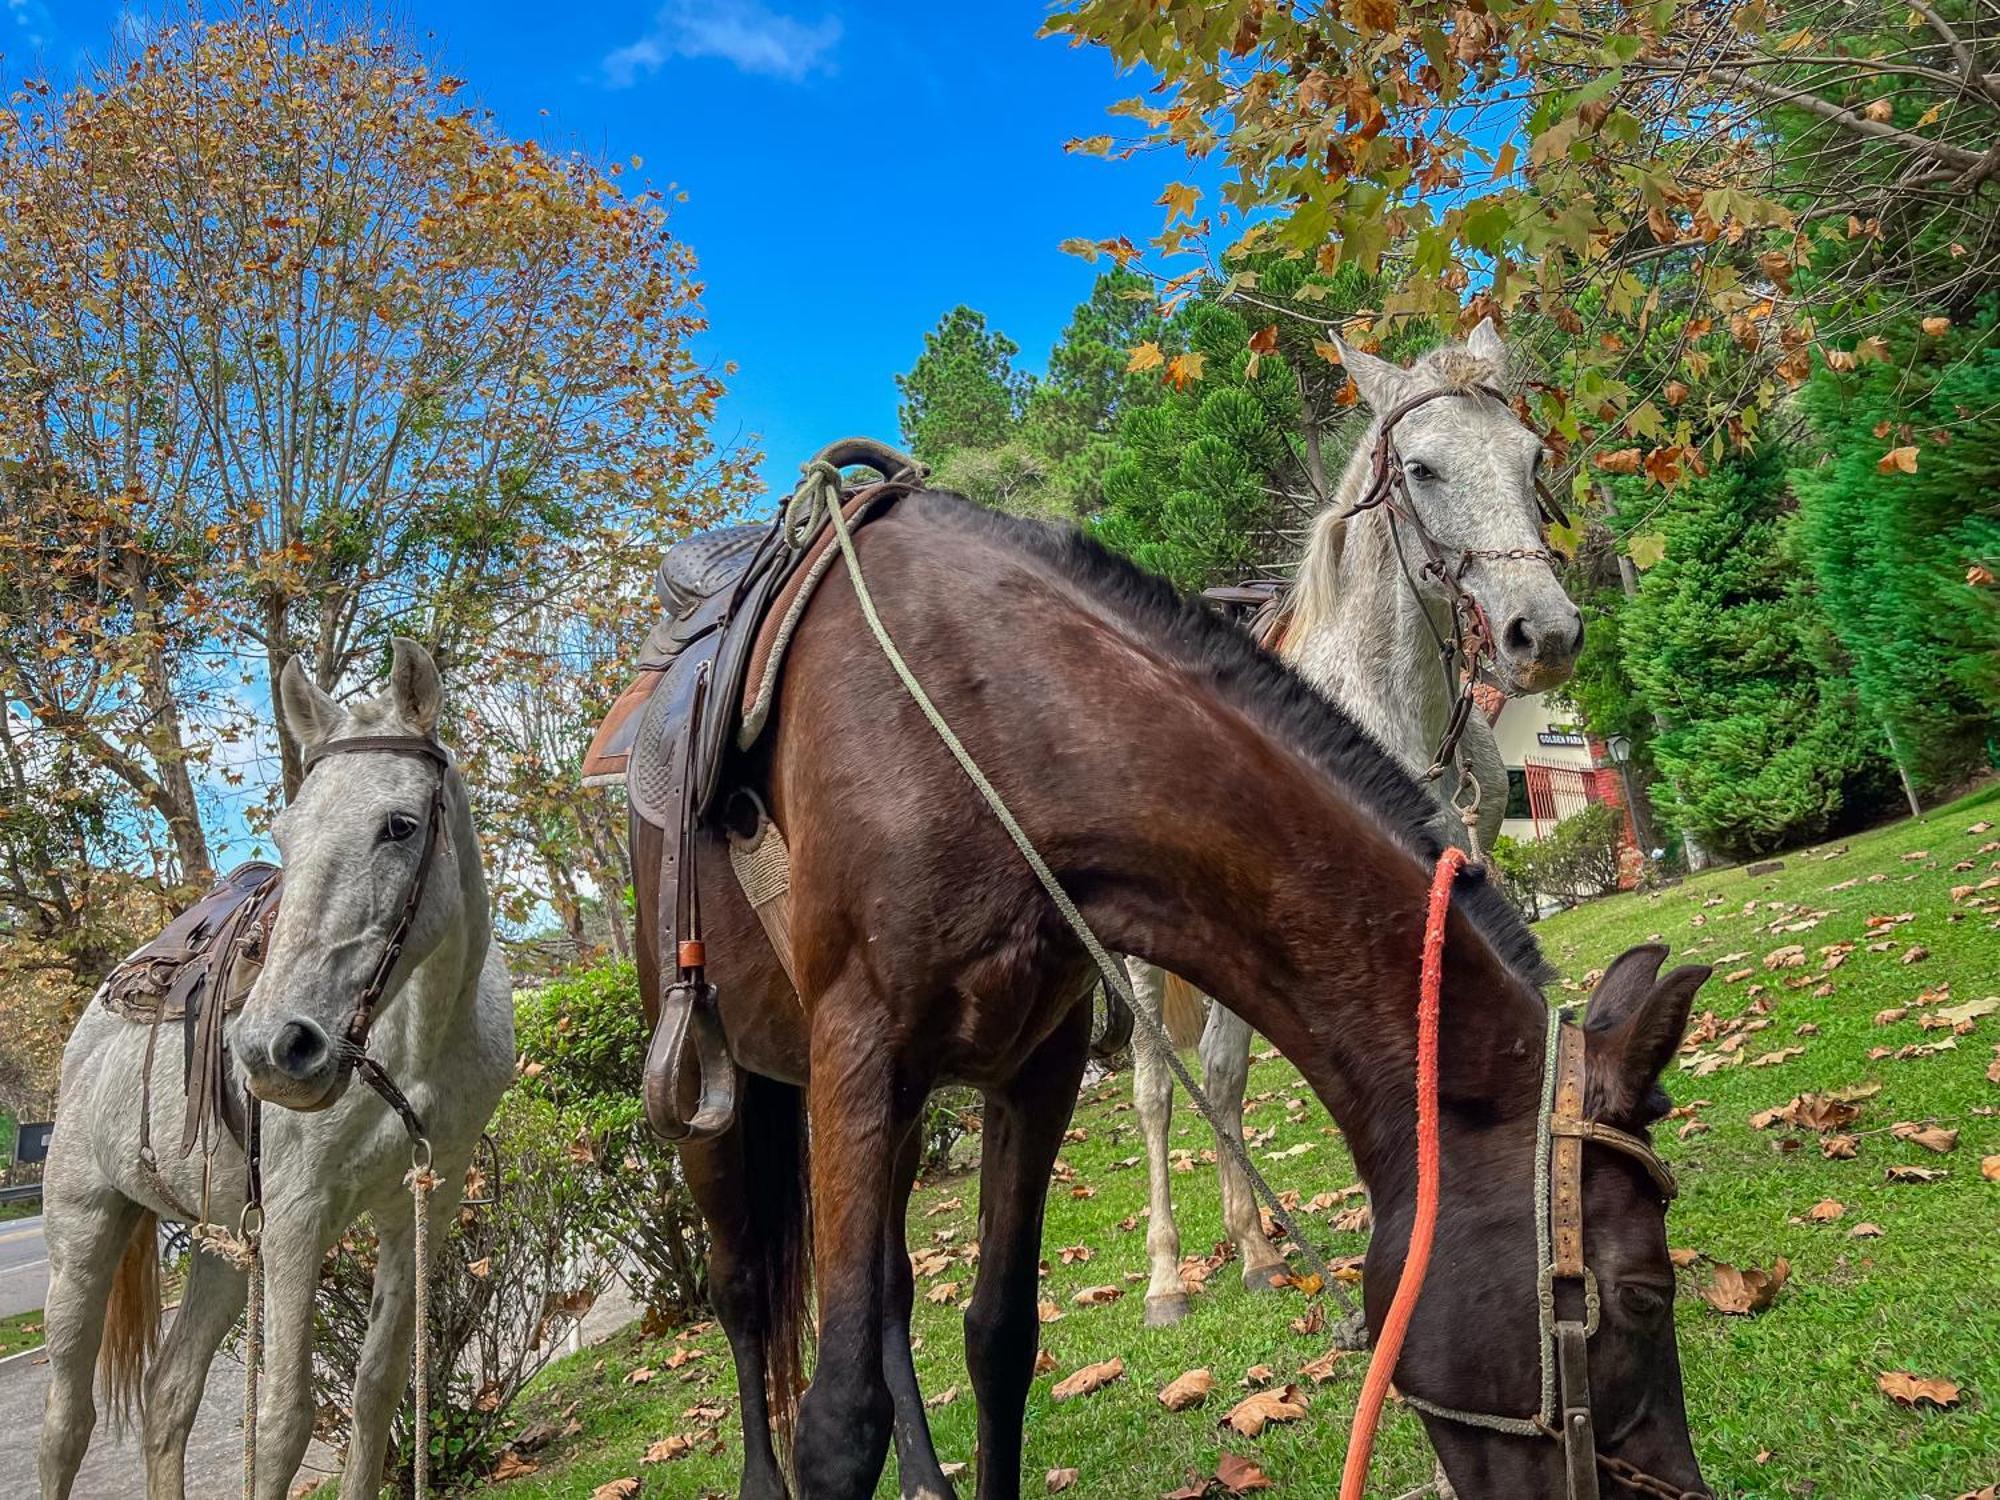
(21, 1194)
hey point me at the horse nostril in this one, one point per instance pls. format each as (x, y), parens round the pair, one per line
(1519, 636)
(1576, 639)
(299, 1049)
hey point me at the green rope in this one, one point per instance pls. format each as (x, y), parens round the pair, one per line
(821, 488)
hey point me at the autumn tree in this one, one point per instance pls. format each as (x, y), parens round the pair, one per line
(1779, 168)
(297, 349)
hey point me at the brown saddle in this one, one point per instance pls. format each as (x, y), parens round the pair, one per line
(198, 971)
(1257, 604)
(706, 681)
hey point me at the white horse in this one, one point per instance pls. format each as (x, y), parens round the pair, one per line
(1359, 632)
(444, 1032)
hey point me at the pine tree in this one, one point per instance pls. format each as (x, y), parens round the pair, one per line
(1762, 743)
(1899, 555)
(963, 391)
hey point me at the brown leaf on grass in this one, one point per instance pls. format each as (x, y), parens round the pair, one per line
(640, 1376)
(942, 1293)
(1097, 1296)
(512, 1466)
(1840, 1148)
(1971, 1010)
(1045, 1362)
(1048, 1312)
(1254, 1413)
(1772, 1059)
(1826, 1211)
(943, 1398)
(1089, 1378)
(1902, 1386)
(1076, 1255)
(1186, 1390)
(1240, 1475)
(1742, 1292)
(1059, 1480)
(1320, 1371)
(1313, 1322)
(1257, 1375)
(1931, 1137)
(1821, 1112)
(1683, 1258)
(667, 1449)
(1916, 953)
(1892, 1015)
(1865, 1231)
(1989, 1168)
(1791, 956)
(616, 1489)
(1914, 1174)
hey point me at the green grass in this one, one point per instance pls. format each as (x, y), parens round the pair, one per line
(1783, 1404)
(20, 1333)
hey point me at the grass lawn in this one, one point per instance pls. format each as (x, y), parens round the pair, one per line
(1783, 1404)
(20, 1333)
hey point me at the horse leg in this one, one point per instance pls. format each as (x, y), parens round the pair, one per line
(178, 1375)
(917, 1470)
(382, 1374)
(725, 1175)
(861, 1110)
(88, 1233)
(1023, 1131)
(1225, 1059)
(292, 1248)
(1153, 1097)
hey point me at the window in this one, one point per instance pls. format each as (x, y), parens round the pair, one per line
(1517, 793)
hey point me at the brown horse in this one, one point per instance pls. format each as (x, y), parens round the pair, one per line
(1208, 812)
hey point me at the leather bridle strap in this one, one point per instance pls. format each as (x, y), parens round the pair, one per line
(355, 1039)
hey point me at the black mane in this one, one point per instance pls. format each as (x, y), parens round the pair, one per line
(1269, 691)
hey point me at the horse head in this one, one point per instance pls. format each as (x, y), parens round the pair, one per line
(376, 849)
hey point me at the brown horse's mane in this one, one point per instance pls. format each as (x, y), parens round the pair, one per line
(1225, 660)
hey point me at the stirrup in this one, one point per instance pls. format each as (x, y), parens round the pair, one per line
(689, 1011)
(1117, 1033)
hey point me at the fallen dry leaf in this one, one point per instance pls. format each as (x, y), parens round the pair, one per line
(943, 1398)
(1097, 1296)
(1931, 1137)
(1826, 1211)
(640, 1376)
(616, 1489)
(1320, 1371)
(668, 1449)
(1254, 1413)
(1901, 1385)
(1989, 1168)
(1742, 1292)
(1257, 1375)
(1060, 1480)
(1840, 1148)
(512, 1466)
(1186, 1390)
(1865, 1231)
(1089, 1378)
(1914, 1174)
(1240, 1475)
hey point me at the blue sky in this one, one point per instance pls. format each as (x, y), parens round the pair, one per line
(854, 168)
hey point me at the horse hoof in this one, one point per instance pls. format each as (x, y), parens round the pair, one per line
(1271, 1278)
(1164, 1312)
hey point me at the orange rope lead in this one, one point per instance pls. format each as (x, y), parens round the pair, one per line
(1416, 1261)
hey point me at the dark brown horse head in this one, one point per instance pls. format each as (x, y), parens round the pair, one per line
(1476, 1343)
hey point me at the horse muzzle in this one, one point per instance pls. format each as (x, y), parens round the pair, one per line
(294, 1064)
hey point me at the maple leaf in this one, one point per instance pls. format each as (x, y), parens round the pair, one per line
(1254, 1413)
(1622, 461)
(616, 1489)
(641, 1376)
(1097, 1296)
(1179, 200)
(1745, 1291)
(1146, 357)
(512, 1466)
(943, 1398)
(1902, 1386)
(1089, 1378)
(1826, 1210)
(1913, 1174)
(1059, 1480)
(1896, 460)
(1931, 1137)
(1186, 1390)
(1183, 370)
(667, 1449)
(1265, 340)
(1240, 1475)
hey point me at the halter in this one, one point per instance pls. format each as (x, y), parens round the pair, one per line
(1471, 639)
(1568, 1308)
(354, 1039)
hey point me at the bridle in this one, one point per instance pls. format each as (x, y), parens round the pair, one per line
(1568, 1308)
(354, 1037)
(1471, 638)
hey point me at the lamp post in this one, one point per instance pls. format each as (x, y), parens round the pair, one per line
(1619, 748)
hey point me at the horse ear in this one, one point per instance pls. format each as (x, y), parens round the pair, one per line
(1381, 384)
(308, 715)
(1635, 1023)
(414, 682)
(1485, 345)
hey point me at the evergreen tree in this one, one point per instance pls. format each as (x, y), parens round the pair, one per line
(1762, 743)
(1900, 556)
(963, 391)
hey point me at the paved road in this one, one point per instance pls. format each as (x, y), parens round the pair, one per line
(24, 1266)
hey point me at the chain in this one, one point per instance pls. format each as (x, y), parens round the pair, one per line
(420, 1180)
(1634, 1477)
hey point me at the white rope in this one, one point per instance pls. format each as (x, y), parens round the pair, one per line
(251, 1237)
(421, 1180)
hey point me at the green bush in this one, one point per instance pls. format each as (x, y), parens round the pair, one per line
(1578, 859)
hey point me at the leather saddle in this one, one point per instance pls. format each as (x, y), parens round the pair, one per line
(198, 971)
(1257, 605)
(730, 599)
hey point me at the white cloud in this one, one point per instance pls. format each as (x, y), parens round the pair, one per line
(743, 32)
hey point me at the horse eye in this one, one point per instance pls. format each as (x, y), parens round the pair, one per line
(1419, 472)
(1642, 1301)
(399, 827)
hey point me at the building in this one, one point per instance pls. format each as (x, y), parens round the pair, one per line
(1555, 766)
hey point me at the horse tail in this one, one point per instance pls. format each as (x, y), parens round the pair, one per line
(1183, 1012)
(778, 1175)
(131, 1319)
